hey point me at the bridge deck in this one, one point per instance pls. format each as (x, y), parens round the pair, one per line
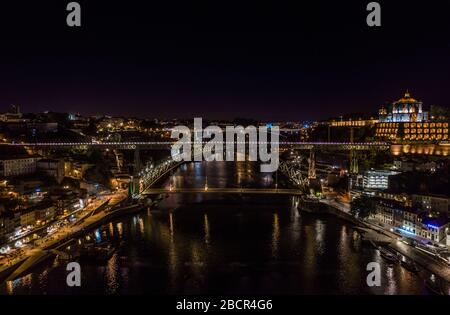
(281, 191)
(159, 145)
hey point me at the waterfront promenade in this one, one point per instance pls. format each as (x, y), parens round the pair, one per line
(427, 261)
(30, 255)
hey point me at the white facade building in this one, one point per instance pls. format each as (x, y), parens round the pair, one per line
(377, 179)
(17, 166)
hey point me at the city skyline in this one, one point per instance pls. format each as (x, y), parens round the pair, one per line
(314, 62)
(225, 156)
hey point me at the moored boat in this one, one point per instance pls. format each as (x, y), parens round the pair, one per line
(388, 255)
(409, 265)
(434, 287)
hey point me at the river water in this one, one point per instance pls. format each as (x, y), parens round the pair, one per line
(224, 244)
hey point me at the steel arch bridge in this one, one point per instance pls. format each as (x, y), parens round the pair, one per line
(152, 173)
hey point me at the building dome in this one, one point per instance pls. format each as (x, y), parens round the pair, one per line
(406, 109)
(407, 99)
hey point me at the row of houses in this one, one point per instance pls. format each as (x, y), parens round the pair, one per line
(11, 166)
(437, 204)
(12, 222)
(55, 204)
(412, 220)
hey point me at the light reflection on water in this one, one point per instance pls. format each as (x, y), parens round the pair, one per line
(226, 244)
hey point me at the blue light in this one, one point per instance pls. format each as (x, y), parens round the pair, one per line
(405, 231)
(269, 126)
(432, 226)
(38, 189)
(98, 237)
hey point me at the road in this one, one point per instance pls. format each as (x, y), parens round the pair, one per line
(344, 207)
(62, 233)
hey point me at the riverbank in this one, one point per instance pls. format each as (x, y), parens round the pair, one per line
(43, 249)
(425, 261)
(314, 206)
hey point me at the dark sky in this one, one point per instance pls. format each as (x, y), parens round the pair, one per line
(296, 60)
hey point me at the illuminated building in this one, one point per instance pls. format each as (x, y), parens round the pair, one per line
(410, 220)
(13, 115)
(406, 121)
(353, 123)
(436, 203)
(13, 166)
(433, 228)
(405, 109)
(377, 179)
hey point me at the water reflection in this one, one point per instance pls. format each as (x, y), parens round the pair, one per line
(111, 275)
(226, 244)
(206, 227)
(275, 235)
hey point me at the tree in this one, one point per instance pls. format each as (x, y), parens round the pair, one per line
(101, 171)
(99, 174)
(439, 112)
(361, 207)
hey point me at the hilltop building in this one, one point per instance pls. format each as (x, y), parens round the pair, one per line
(406, 120)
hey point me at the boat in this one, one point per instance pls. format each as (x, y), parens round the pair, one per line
(434, 287)
(97, 253)
(105, 253)
(409, 265)
(388, 256)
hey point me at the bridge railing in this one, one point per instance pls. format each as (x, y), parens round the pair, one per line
(168, 144)
(151, 173)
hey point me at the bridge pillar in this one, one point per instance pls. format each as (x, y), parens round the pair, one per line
(354, 169)
(312, 164)
(137, 162)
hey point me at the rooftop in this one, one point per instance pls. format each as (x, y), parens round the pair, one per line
(407, 99)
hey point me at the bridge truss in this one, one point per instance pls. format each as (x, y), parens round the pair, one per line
(151, 173)
(293, 172)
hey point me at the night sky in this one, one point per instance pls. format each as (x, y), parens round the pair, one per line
(222, 59)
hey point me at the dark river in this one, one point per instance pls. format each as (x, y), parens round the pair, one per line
(223, 244)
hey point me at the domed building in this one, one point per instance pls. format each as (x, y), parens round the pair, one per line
(406, 109)
(405, 120)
